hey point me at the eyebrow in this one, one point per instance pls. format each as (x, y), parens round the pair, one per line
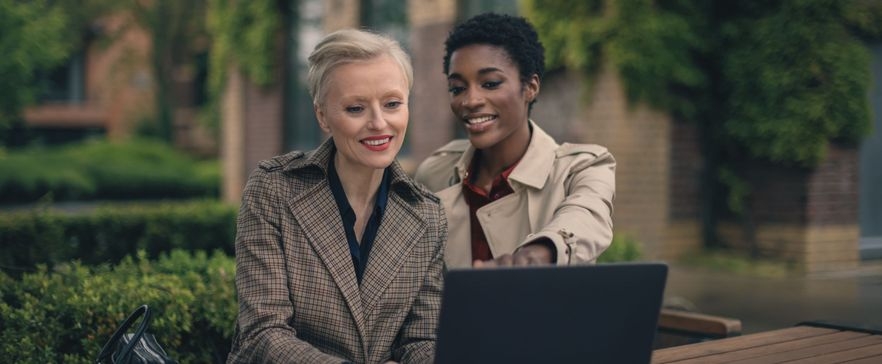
(482, 71)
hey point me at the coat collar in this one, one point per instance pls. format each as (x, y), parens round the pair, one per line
(317, 161)
(534, 166)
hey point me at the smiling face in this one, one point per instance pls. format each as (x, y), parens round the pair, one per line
(488, 96)
(364, 109)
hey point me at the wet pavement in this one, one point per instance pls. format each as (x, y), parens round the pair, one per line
(763, 303)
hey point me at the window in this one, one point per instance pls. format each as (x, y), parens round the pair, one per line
(64, 84)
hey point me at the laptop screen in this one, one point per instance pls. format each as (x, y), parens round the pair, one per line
(604, 313)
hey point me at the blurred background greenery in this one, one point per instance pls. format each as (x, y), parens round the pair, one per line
(113, 152)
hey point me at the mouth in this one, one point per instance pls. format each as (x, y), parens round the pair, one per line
(478, 124)
(377, 143)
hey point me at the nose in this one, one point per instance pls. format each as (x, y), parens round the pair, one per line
(376, 119)
(473, 99)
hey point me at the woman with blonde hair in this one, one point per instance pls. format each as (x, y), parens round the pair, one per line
(339, 254)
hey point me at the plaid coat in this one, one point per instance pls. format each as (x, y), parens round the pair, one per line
(299, 300)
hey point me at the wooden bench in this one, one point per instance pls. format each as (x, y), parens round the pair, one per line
(681, 327)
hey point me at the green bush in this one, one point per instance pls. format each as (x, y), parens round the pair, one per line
(623, 249)
(66, 314)
(108, 233)
(98, 169)
(776, 80)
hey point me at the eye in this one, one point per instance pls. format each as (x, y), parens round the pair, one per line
(354, 109)
(491, 84)
(393, 104)
(456, 90)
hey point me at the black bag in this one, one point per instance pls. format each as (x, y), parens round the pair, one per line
(139, 348)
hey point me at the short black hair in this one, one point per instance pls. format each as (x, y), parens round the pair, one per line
(514, 34)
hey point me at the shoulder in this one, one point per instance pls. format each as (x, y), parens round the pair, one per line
(578, 157)
(581, 150)
(446, 155)
(435, 172)
(269, 172)
(591, 153)
(279, 162)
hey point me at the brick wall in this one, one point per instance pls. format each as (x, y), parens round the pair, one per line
(686, 169)
(807, 216)
(832, 188)
(431, 121)
(833, 234)
(683, 230)
(252, 120)
(118, 85)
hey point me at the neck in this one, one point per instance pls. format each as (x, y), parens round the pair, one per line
(499, 157)
(360, 184)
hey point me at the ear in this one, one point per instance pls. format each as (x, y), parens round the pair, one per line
(320, 116)
(531, 88)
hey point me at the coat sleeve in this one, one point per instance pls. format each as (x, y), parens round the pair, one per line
(416, 340)
(581, 227)
(263, 334)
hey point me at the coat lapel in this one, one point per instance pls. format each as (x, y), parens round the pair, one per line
(320, 221)
(313, 206)
(458, 253)
(399, 231)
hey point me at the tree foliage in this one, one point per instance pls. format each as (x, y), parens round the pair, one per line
(32, 37)
(243, 34)
(175, 28)
(778, 79)
(796, 79)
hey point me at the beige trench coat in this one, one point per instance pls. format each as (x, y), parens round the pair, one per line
(561, 192)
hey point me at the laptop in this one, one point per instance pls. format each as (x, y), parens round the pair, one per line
(604, 313)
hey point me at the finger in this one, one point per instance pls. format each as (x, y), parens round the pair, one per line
(536, 260)
(521, 259)
(537, 254)
(483, 263)
(504, 261)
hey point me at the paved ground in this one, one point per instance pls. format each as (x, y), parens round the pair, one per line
(768, 303)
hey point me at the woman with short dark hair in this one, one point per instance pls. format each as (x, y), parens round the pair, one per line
(512, 194)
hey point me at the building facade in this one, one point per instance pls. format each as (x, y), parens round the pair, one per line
(808, 217)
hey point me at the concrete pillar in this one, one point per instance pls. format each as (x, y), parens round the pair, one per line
(341, 14)
(232, 140)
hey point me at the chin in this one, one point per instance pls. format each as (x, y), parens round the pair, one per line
(482, 141)
(380, 162)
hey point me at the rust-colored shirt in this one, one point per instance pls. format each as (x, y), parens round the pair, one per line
(476, 197)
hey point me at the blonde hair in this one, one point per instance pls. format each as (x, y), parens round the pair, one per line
(350, 45)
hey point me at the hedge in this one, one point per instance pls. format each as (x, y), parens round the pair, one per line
(623, 248)
(66, 314)
(108, 233)
(98, 169)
